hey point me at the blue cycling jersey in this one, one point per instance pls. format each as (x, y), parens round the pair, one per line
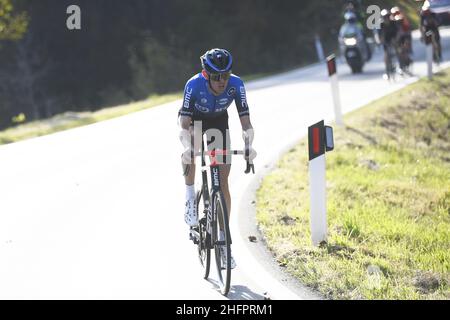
(199, 102)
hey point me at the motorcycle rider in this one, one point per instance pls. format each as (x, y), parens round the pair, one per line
(351, 8)
(351, 26)
(429, 22)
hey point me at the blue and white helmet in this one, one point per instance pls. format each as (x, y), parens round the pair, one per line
(217, 61)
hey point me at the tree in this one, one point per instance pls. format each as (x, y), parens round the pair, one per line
(12, 25)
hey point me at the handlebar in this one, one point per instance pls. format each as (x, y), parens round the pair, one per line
(214, 153)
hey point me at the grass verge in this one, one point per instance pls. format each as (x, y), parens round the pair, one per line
(70, 120)
(388, 202)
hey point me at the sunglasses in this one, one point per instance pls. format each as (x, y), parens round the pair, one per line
(220, 76)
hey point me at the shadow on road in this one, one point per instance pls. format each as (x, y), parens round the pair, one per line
(238, 292)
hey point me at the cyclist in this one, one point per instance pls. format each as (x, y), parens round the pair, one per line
(207, 95)
(403, 45)
(403, 27)
(388, 34)
(429, 22)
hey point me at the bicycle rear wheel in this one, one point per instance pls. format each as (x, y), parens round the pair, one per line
(220, 222)
(203, 246)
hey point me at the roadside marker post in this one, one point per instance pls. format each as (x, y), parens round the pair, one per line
(332, 73)
(319, 48)
(429, 50)
(320, 140)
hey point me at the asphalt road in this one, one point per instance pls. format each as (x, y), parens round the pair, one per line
(97, 212)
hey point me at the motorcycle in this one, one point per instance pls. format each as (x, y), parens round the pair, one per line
(355, 50)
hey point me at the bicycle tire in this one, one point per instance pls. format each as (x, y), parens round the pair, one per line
(390, 63)
(203, 247)
(220, 213)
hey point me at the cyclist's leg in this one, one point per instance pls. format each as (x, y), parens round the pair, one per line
(189, 179)
(409, 41)
(190, 214)
(225, 169)
(438, 42)
(403, 51)
(224, 173)
(386, 58)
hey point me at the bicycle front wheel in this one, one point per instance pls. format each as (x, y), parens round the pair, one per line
(222, 247)
(203, 245)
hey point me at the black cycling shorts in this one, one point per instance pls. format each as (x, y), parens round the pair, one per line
(217, 133)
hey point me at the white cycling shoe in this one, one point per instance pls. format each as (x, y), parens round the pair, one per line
(190, 213)
(223, 256)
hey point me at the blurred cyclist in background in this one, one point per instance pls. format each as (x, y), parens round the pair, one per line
(403, 40)
(388, 29)
(429, 22)
(388, 34)
(403, 28)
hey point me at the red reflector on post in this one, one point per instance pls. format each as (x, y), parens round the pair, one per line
(316, 140)
(331, 64)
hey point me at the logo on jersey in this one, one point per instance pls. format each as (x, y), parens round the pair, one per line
(204, 101)
(201, 108)
(187, 98)
(243, 98)
(223, 101)
(231, 91)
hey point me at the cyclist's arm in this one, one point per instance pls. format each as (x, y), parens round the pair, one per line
(185, 122)
(240, 99)
(246, 123)
(187, 109)
(244, 116)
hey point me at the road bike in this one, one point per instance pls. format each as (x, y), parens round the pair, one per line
(213, 218)
(404, 57)
(435, 45)
(390, 61)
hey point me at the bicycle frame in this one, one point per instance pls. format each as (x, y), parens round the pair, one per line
(215, 182)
